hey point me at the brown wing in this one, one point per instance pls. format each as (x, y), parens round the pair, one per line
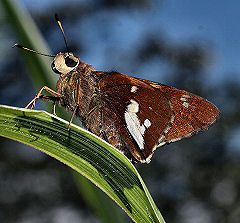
(192, 113)
(143, 115)
(150, 114)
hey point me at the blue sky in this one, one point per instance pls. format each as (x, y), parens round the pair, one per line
(214, 24)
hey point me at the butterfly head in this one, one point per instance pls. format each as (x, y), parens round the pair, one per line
(63, 63)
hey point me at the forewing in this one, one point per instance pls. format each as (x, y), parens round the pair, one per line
(144, 115)
(150, 114)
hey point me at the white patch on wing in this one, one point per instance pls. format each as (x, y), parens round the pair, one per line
(185, 104)
(133, 107)
(134, 89)
(184, 98)
(147, 123)
(133, 123)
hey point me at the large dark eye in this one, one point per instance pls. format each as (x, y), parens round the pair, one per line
(54, 68)
(70, 62)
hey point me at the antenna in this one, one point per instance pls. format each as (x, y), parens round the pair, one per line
(60, 25)
(25, 48)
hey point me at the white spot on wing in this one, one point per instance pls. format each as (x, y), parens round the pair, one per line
(147, 123)
(184, 97)
(185, 104)
(134, 89)
(133, 107)
(133, 123)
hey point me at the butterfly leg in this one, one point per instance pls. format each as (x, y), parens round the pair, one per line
(73, 114)
(54, 108)
(39, 95)
(52, 99)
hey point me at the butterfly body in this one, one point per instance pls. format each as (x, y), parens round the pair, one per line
(76, 88)
(134, 115)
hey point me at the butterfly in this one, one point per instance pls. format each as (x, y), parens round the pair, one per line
(134, 115)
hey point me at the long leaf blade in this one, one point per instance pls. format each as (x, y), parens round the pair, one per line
(84, 152)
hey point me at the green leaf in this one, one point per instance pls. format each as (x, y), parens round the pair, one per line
(101, 204)
(29, 36)
(87, 154)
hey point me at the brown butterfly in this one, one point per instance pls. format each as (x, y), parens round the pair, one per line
(134, 115)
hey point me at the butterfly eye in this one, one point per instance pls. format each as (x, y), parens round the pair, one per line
(71, 61)
(54, 68)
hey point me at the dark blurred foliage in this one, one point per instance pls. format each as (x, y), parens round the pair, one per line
(194, 180)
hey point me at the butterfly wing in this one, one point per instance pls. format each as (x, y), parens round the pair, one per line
(191, 113)
(150, 114)
(143, 115)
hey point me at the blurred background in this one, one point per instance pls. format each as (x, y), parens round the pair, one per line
(191, 45)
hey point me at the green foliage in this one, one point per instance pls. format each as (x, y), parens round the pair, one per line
(87, 154)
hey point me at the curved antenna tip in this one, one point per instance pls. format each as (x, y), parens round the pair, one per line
(61, 28)
(30, 50)
(15, 45)
(56, 17)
